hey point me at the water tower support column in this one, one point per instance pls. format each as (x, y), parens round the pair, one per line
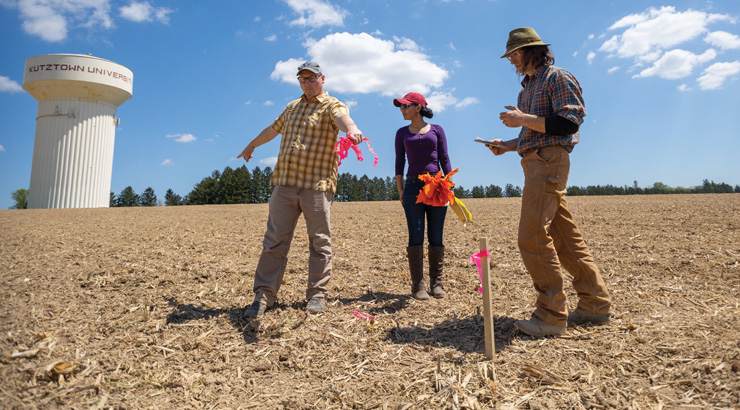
(72, 154)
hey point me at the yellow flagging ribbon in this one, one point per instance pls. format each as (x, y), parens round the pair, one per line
(437, 191)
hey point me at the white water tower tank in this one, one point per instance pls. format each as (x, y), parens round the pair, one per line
(75, 128)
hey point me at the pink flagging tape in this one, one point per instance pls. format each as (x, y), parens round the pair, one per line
(475, 258)
(363, 316)
(345, 143)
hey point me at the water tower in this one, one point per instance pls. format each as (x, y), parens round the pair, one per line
(75, 128)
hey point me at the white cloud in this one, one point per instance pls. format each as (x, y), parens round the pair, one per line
(406, 44)
(49, 19)
(9, 86)
(269, 161)
(271, 37)
(677, 64)
(613, 69)
(440, 101)
(683, 88)
(350, 103)
(590, 57)
(143, 11)
(723, 40)
(316, 13)
(361, 63)
(715, 75)
(452, 46)
(166, 162)
(268, 103)
(648, 33)
(466, 101)
(2, 149)
(184, 138)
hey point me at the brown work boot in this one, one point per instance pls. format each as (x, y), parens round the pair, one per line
(538, 328)
(580, 316)
(416, 268)
(436, 265)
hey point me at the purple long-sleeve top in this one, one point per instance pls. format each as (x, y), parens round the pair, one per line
(426, 152)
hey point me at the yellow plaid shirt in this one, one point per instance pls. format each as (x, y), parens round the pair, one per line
(307, 158)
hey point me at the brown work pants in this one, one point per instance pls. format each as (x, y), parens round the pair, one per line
(287, 203)
(548, 238)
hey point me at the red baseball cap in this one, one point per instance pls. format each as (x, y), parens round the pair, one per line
(411, 98)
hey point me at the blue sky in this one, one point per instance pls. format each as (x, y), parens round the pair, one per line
(661, 81)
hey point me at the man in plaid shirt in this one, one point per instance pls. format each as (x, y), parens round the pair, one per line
(304, 181)
(549, 111)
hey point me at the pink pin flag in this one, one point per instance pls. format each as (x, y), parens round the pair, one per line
(475, 258)
(363, 316)
(575, 211)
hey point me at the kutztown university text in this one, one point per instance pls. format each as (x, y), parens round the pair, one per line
(69, 67)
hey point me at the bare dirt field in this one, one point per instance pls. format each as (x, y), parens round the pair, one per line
(136, 308)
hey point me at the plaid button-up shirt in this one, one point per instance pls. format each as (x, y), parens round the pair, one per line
(307, 158)
(550, 91)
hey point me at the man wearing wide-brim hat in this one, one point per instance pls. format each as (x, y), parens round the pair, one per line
(550, 110)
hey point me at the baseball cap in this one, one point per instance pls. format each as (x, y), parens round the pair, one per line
(411, 98)
(310, 66)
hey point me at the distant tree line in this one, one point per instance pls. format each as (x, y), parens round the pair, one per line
(707, 187)
(240, 186)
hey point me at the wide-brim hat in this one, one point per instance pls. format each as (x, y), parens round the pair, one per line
(522, 37)
(411, 98)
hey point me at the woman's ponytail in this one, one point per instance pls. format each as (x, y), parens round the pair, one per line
(426, 112)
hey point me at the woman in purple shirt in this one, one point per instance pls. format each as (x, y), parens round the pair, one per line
(425, 146)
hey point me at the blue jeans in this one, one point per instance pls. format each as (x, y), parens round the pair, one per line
(415, 215)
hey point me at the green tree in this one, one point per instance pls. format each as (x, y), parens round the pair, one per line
(365, 185)
(148, 198)
(494, 191)
(172, 199)
(461, 192)
(112, 200)
(205, 191)
(510, 191)
(127, 197)
(478, 192)
(20, 197)
(261, 189)
(392, 189)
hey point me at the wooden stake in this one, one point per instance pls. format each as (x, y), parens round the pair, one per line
(485, 270)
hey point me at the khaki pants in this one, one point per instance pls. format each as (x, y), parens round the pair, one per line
(548, 238)
(286, 205)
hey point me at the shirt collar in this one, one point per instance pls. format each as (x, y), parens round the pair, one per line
(320, 98)
(539, 72)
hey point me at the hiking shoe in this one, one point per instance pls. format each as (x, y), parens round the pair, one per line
(420, 294)
(438, 292)
(256, 309)
(315, 305)
(538, 328)
(580, 316)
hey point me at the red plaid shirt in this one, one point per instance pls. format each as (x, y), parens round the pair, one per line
(550, 91)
